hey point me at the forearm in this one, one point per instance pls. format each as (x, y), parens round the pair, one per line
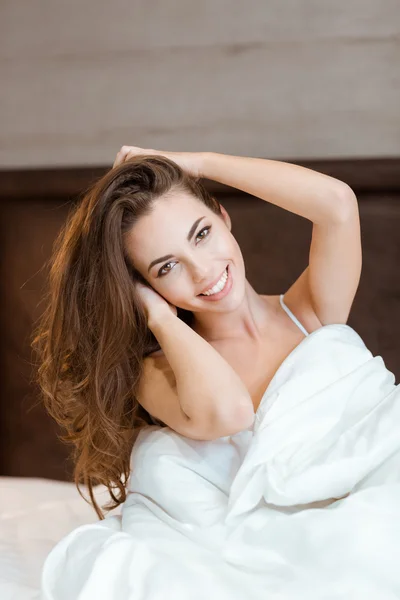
(209, 390)
(307, 193)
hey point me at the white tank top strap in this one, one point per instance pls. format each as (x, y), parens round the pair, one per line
(291, 315)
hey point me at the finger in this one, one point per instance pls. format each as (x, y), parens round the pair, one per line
(117, 160)
(121, 155)
(131, 154)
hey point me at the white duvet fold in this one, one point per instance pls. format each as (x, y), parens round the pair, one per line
(306, 505)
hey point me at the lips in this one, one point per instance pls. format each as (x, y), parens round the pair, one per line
(210, 285)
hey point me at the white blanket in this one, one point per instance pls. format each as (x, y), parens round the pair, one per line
(303, 506)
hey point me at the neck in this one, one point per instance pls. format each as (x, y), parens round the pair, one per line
(247, 322)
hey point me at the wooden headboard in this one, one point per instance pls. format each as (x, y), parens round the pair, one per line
(275, 245)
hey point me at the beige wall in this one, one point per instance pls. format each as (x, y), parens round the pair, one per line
(288, 79)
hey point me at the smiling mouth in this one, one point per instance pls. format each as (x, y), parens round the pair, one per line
(227, 274)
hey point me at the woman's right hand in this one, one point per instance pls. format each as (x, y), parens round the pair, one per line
(155, 305)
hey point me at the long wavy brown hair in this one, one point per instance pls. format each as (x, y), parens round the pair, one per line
(92, 336)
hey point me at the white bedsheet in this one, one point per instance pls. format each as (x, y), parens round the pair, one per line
(303, 506)
(35, 514)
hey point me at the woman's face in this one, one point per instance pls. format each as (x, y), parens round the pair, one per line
(178, 268)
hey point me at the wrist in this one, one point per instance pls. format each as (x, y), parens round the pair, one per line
(159, 319)
(204, 159)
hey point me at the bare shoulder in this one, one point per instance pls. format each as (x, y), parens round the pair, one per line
(299, 304)
(298, 299)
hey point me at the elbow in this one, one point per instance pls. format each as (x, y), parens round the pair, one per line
(245, 412)
(247, 417)
(345, 205)
(243, 419)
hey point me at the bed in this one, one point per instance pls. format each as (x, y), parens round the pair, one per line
(35, 513)
(38, 504)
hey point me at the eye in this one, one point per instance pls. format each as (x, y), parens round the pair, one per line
(201, 231)
(160, 274)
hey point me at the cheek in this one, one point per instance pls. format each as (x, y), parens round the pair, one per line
(228, 246)
(235, 248)
(178, 291)
(169, 288)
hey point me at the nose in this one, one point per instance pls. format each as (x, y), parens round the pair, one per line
(200, 273)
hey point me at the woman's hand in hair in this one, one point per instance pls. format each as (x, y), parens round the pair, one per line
(190, 162)
(154, 304)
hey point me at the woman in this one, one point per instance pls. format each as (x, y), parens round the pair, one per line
(151, 320)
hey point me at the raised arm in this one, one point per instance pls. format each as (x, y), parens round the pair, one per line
(329, 283)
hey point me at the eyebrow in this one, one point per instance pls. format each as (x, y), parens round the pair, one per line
(188, 237)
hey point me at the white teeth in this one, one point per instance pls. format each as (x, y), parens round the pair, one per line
(218, 286)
